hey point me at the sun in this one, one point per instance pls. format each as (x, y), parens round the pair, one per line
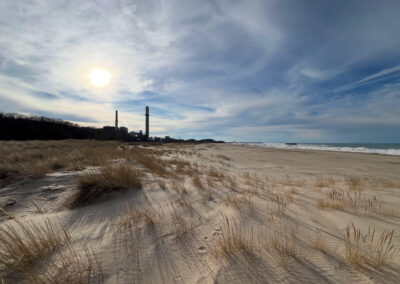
(99, 77)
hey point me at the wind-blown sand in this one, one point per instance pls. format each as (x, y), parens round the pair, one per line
(240, 214)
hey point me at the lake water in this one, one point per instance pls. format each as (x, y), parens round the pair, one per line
(377, 148)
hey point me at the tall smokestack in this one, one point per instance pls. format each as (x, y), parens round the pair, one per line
(147, 123)
(116, 120)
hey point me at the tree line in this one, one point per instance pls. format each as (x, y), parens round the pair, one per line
(15, 126)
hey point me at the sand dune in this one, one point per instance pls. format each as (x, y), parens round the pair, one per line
(220, 213)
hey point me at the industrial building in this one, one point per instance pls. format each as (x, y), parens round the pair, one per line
(122, 132)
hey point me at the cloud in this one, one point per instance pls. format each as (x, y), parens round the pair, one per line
(237, 70)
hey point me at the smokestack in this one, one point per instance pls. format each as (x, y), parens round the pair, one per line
(116, 120)
(147, 123)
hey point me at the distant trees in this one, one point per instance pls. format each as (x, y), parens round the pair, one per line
(15, 126)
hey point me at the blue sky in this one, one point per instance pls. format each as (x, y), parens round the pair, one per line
(274, 71)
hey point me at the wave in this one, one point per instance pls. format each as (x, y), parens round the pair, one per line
(395, 152)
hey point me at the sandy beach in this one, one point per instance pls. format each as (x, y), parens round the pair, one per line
(204, 213)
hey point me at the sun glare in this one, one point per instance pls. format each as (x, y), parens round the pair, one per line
(99, 77)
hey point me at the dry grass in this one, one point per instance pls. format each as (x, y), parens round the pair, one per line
(38, 209)
(366, 249)
(185, 204)
(230, 182)
(149, 215)
(167, 168)
(37, 158)
(197, 182)
(131, 217)
(210, 181)
(334, 199)
(181, 167)
(71, 267)
(43, 253)
(232, 239)
(288, 180)
(325, 181)
(240, 201)
(214, 173)
(246, 175)
(149, 158)
(337, 199)
(357, 201)
(5, 213)
(319, 243)
(128, 219)
(23, 244)
(280, 204)
(354, 183)
(284, 242)
(95, 185)
(223, 157)
(181, 227)
(207, 195)
(179, 187)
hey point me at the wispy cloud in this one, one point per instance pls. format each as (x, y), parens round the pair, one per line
(238, 70)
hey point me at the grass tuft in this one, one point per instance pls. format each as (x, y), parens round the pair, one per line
(284, 241)
(23, 244)
(43, 253)
(232, 239)
(95, 185)
(366, 249)
(319, 243)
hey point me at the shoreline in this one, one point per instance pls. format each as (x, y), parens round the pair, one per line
(307, 147)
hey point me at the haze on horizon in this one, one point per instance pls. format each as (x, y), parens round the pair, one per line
(304, 71)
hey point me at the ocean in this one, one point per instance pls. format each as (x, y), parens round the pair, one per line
(377, 148)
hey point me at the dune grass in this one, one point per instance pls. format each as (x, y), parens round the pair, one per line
(70, 267)
(325, 181)
(37, 158)
(197, 182)
(232, 239)
(319, 243)
(95, 185)
(43, 253)
(23, 244)
(284, 241)
(360, 202)
(280, 202)
(181, 226)
(240, 201)
(368, 248)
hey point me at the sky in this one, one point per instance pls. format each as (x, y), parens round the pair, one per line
(266, 71)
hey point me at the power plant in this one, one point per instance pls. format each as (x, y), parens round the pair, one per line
(46, 128)
(121, 133)
(111, 132)
(116, 120)
(147, 123)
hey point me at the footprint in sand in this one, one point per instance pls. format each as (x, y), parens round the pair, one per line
(202, 249)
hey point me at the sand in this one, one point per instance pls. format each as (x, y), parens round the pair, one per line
(241, 215)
